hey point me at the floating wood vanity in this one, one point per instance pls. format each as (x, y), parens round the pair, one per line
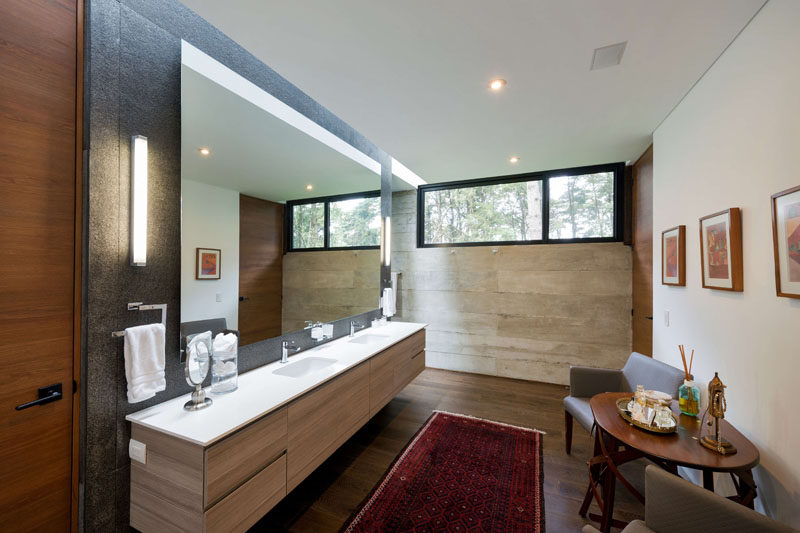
(194, 480)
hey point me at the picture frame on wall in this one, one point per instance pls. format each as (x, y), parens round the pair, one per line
(721, 250)
(785, 207)
(209, 263)
(673, 256)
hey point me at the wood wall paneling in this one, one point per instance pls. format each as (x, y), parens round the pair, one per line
(642, 275)
(40, 218)
(260, 269)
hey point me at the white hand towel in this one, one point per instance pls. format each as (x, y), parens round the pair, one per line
(388, 302)
(144, 361)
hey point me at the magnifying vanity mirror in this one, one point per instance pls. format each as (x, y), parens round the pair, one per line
(280, 219)
(198, 358)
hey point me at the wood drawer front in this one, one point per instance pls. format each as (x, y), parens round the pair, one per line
(407, 370)
(173, 471)
(247, 504)
(321, 420)
(237, 457)
(390, 371)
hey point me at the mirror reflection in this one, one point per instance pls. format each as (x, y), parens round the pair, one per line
(280, 220)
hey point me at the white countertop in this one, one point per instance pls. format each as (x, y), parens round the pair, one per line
(261, 391)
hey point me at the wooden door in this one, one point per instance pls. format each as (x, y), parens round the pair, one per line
(643, 253)
(260, 269)
(39, 87)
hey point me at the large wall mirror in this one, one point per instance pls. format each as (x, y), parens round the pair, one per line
(280, 219)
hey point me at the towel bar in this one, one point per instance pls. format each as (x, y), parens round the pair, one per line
(139, 306)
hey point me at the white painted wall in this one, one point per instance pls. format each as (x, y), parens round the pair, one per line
(210, 220)
(733, 142)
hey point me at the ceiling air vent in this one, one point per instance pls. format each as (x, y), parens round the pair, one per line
(608, 56)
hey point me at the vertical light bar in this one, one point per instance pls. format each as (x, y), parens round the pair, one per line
(387, 237)
(138, 227)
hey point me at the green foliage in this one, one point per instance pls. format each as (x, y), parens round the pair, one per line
(308, 227)
(503, 212)
(356, 222)
(582, 206)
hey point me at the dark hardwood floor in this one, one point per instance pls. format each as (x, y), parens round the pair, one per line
(325, 500)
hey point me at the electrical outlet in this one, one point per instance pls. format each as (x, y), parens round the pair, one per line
(666, 318)
(137, 451)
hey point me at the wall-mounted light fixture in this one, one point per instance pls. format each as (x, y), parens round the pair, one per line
(386, 242)
(138, 227)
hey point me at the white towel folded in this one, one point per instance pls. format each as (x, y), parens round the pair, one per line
(225, 344)
(144, 361)
(389, 308)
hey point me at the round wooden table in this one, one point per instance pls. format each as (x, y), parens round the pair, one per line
(618, 442)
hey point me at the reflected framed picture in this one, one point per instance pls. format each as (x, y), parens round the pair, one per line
(786, 241)
(721, 250)
(209, 263)
(673, 256)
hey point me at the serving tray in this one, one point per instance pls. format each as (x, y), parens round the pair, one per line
(622, 408)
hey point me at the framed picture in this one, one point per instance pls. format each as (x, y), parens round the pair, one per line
(721, 250)
(786, 241)
(673, 256)
(209, 263)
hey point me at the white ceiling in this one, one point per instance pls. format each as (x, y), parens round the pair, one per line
(412, 75)
(254, 152)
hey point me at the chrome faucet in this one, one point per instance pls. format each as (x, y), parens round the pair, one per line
(355, 327)
(285, 347)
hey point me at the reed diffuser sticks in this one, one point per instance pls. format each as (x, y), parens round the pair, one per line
(686, 369)
(688, 399)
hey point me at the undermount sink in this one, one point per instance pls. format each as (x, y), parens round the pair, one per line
(304, 367)
(369, 338)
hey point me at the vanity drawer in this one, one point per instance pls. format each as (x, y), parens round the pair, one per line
(394, 368)
(246, 505)
(236, 458)
(324, 419)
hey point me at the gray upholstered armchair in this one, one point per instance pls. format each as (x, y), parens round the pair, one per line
(674, 504)
(585, 382)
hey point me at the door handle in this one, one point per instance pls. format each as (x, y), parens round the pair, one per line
(649, 318)
(243, 298)
(46, 395)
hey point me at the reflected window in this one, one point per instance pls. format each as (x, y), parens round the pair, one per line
(308, 226)
(355, 223)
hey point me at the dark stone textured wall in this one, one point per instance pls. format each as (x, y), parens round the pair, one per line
(133, 88)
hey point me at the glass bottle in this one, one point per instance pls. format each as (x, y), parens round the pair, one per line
(689, 398)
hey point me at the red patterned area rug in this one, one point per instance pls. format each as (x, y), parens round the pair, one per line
(460, 473)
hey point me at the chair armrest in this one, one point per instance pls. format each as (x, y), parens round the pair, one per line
(585, 382)
(674, 504)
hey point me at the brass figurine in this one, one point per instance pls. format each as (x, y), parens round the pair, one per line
(716, 408)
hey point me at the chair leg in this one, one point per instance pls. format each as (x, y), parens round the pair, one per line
(568, 431)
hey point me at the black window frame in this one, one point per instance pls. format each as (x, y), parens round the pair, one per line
(326, 201)
(618, 170)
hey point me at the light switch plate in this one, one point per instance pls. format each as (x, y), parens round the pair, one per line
(219, 297)
(666, 318)
(137, 451)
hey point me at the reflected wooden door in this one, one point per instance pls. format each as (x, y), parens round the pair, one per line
(38, 109)
(260, 269)
(643, 253)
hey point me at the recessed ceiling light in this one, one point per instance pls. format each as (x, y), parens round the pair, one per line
(205, 151)
(513, 159)
(497, 84)
(608, 56)
(309, 187)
